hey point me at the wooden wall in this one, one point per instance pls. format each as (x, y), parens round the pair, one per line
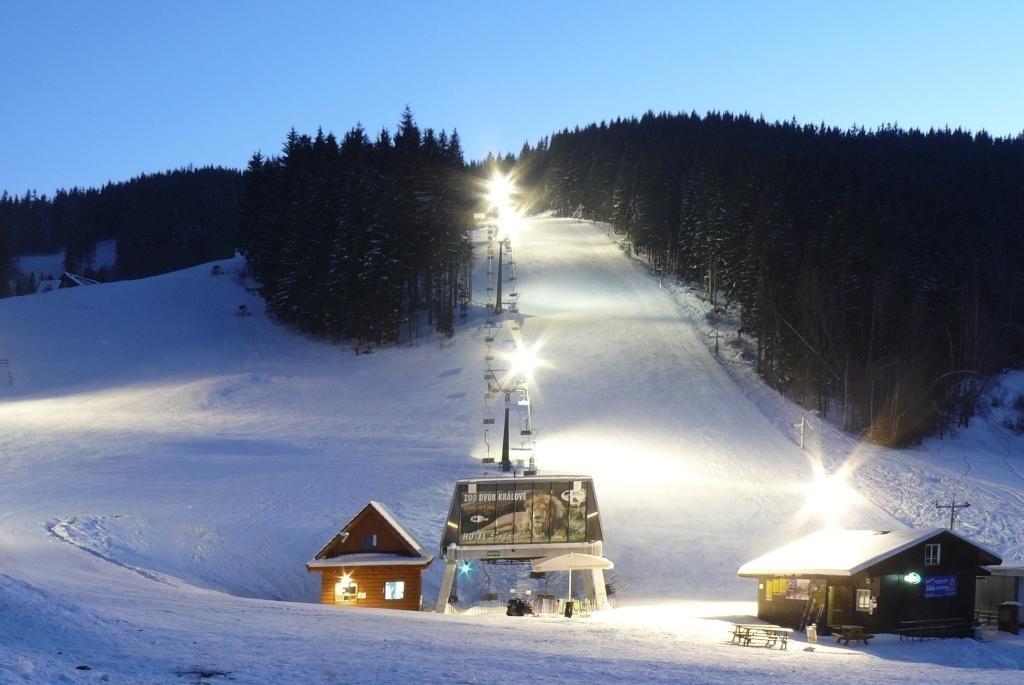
(898, 600)
(901, 601)
(371, 579)
(369, 522)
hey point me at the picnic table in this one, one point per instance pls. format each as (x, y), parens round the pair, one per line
(844, 633)
(746, 633)
(934, 628)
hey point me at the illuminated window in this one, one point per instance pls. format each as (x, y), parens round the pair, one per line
(932, 554)
(864, 600)
(394, 589)
(345, 591)
(774, 586)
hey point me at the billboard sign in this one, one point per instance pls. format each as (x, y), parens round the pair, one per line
(940, 586)
(523, 511)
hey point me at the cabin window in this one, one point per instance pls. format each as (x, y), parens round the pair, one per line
(394, 589)
(369, 541)
(775, 586)
(864, 600)
(932, 554)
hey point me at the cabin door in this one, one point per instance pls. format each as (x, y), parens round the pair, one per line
(840, 605)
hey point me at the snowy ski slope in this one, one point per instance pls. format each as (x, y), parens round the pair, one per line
(166, 468)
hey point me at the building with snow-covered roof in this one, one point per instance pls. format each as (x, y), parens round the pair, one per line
(883, 581)
(70, 280)
(372, 562)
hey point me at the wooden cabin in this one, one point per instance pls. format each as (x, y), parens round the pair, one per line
(70, 280)
(884, 581)
(372, 562)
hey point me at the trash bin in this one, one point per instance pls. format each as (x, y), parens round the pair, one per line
(1009, 617)
(568, 609)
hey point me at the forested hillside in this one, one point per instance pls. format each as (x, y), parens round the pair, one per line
(361, 239)
(162, 222)
(880, 271)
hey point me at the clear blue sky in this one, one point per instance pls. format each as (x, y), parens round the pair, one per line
(92, 91)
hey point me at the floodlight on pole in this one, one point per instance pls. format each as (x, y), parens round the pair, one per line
(497, 290)
(499, 192)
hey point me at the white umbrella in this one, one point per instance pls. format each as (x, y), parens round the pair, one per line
(573, 561)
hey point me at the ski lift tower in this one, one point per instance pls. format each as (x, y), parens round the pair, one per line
(521, 520)
(514, 385)
(499, 196)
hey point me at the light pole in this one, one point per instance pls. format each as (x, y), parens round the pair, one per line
(522, 362)
(497, 290)
(506, 463)
(499, 195)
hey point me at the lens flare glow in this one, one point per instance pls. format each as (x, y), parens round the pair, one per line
(500, 191)
(524, 360)
(828, 495)
(510, 225)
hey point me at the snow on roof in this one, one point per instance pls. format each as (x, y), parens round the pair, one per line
(389, 558)
(383, 511)
(80, 280)
(840, 552)
(369, 559)
(502, 479)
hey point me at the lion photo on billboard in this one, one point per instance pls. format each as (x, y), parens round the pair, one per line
(539, 509)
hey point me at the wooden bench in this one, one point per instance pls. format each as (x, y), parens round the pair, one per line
(934, 628)
(747, 633)
(846, 633)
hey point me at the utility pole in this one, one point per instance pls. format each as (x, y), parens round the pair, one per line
(803, 426)
(952, 506)
(714, 334)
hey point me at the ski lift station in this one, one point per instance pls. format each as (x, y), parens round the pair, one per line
(541, 519)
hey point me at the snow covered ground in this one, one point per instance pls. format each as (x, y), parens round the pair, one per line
(167, 467)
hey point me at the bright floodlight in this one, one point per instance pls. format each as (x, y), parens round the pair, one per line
(500, 191)
(829, 496)
(510, 225)
(524, 360)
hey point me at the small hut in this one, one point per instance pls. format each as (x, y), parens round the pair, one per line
(884, 581)
(70, 280)
(372, 562)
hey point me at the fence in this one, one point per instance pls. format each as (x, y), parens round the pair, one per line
(542, 605)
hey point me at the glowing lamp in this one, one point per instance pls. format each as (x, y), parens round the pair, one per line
(913, 578)
(464, 568)
(500, 191)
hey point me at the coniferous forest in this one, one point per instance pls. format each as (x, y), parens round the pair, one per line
(361, 239)
(162, 222)
(880, 271)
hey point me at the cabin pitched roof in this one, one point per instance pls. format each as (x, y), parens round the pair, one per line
(413, 552)
(842, 552)
(70, 280)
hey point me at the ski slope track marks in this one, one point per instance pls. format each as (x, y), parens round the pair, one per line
(167, 467)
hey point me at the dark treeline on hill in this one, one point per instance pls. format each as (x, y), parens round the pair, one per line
(881, 272)
(162, 222)
(361, 239)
